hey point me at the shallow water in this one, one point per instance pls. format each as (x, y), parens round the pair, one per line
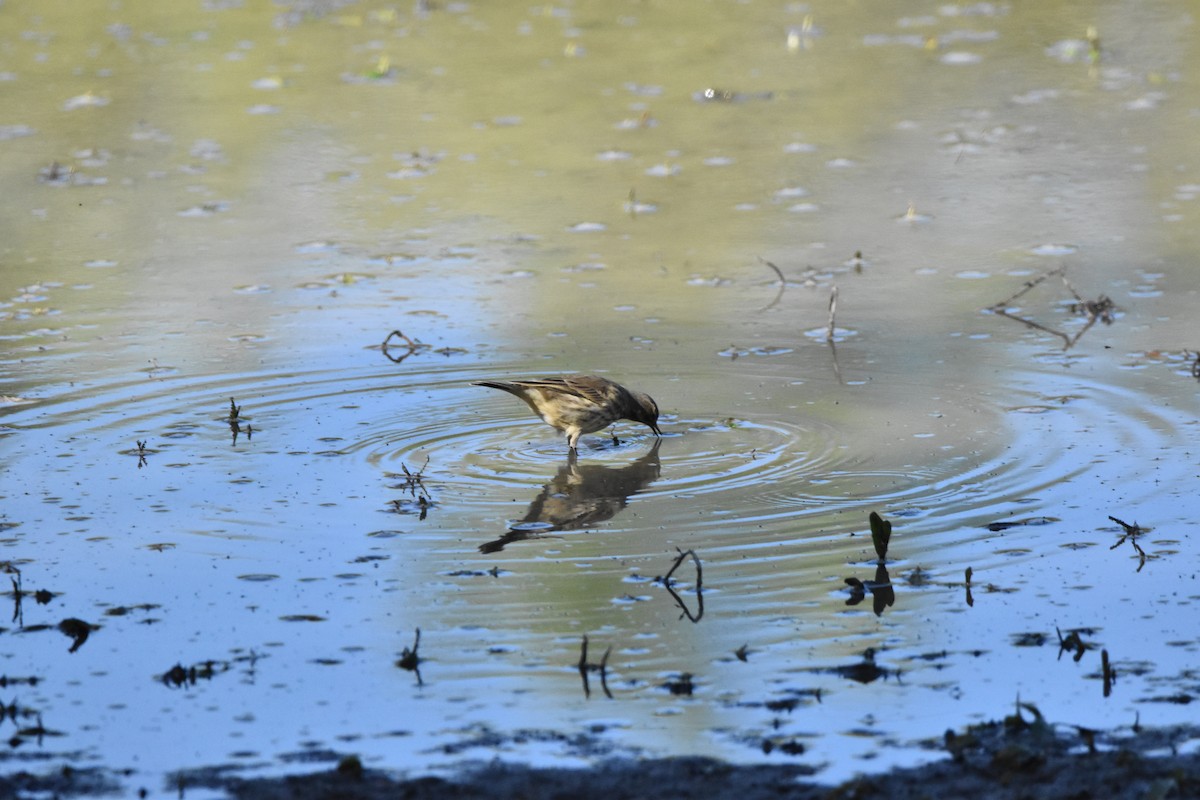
(254, 221)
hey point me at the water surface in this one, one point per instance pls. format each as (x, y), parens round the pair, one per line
(233, 204)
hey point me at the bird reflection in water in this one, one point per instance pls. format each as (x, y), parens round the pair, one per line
(581, 497)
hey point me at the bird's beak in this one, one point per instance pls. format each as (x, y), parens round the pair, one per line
(654, 427)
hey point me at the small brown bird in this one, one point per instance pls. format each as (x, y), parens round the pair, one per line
(581, 404)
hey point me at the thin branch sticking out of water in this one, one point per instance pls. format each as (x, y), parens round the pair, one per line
(409, 660)
(1132, 532)
(782, 284)
(234, 420)
(602, 668)
(411, 345)
(1101, 309)
(833, 296)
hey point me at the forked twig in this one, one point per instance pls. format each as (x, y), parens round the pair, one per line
(413, 346)
(1132, 532)
(1099, 309)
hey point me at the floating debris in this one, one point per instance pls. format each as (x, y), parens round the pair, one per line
(413, 346)
(409, 660)
(1101, 309)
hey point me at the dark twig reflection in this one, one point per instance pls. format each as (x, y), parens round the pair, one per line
(581, 497)
(409, 660)
(1102, 309)
(585, 668)
(1073, 643)
(1132, 533)
(666, 582)
(17, 593)
(883, 594)
(411, 347)
(235, 419)
(414, 484)
(782, 284)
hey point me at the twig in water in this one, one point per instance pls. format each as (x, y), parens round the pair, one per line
(602, 668)
(235, 414)
(18, 614)
(782, 283)
(413, 346)
(1072, 642)
(666, 581)
(1100, 309)
(409, 660)
(833, 295)
(414, 484)
(1132, 532)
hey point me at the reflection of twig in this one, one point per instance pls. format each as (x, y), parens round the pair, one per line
(782, 283)
(837, 367)
(18, 616)
(1132, 532)
(409, 660)
(235, 414)
(413, 346)
(1101, 308)
(414, 483)
(830, 338)
(1072, 642)
(699, 586)
(602, 668)
(1110, 674)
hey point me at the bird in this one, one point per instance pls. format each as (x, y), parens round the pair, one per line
(579, 404)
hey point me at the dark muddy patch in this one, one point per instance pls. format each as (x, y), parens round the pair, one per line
(1019, 757)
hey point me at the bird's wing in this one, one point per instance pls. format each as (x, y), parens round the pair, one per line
(589, 388)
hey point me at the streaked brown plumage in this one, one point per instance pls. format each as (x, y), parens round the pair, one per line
(581, 404)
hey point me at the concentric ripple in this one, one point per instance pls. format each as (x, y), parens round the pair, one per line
(353, 503)
(474, 446)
